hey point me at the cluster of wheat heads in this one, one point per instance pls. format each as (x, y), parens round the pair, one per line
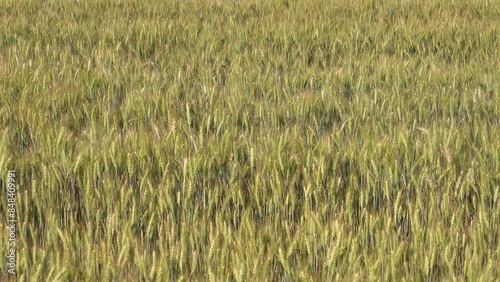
(251, 140)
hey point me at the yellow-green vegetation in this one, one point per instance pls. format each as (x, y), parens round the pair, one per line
(251, 140)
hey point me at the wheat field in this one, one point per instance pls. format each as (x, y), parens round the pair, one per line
(251, 140)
